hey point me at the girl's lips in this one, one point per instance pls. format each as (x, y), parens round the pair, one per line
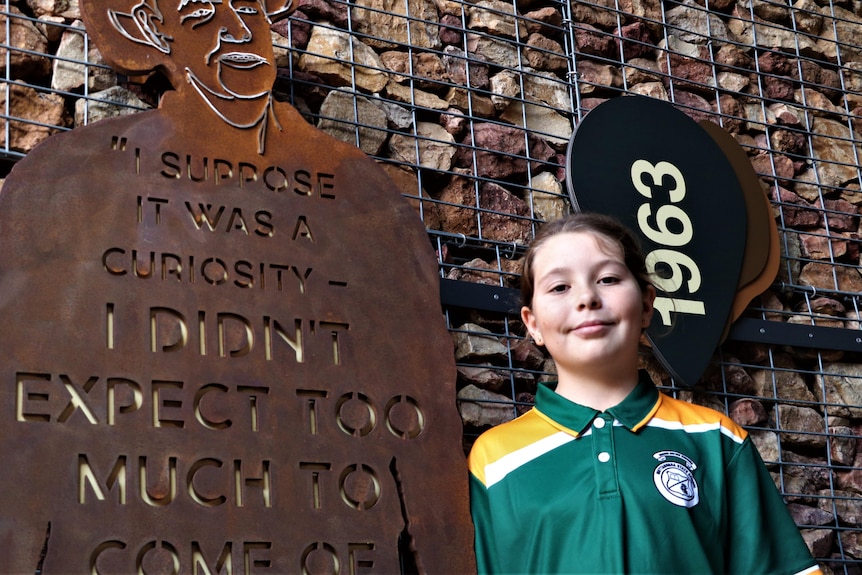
(591, 327)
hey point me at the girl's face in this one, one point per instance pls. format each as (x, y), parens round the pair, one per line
(587, 309)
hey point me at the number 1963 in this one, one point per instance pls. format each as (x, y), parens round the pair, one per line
(663, 235)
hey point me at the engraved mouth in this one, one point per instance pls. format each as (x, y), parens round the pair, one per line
(242, 60)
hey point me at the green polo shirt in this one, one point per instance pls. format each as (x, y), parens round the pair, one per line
(652, 485)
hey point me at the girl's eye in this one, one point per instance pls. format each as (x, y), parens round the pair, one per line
(608, 280)
(559, 288)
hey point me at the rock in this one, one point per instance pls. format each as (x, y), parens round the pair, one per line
(69, 75)
(455, 64)
(415, 97)
(389, 23)
(26, 59)
(474, 343)
(329, 55)
(747, 412)
(40, 110)
(432, 147)
(549, 200)
(843, 385)
(363, 126)
(492, 51)
(801, 426)
(496, 18)
(545, 54)
(541, 120)
(481, 408)
(690, 23)
(484, 376)
(114, 101)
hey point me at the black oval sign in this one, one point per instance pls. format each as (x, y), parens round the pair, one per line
(655, 169)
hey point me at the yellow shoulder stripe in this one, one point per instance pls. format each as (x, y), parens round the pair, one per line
(504, 448)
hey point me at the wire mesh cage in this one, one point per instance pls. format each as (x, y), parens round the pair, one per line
(470, 106)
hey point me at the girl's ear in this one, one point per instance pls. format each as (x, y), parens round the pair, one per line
(530, 321)
(648, 305)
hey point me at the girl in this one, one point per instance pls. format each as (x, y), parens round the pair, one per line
(606, 474)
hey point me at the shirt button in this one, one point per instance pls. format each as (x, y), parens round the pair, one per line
(604, 456)
(599, 422)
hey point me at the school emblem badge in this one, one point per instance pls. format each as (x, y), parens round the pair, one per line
(675, 480)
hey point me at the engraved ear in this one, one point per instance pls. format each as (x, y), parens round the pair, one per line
(141, 25)
(128, 34)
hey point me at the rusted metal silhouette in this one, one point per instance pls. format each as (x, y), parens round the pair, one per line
(222, 349)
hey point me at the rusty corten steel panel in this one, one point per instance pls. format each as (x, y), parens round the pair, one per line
(222, 349)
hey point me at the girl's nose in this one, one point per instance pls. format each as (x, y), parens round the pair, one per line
(588, 300)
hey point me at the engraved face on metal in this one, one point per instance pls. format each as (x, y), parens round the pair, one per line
(223, 48)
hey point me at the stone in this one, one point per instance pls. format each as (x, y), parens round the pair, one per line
(690, 64)
(593, 77)
(488, 50)
(592, 41)
(785, 381)
(67, 9)
(415, 96)
(690, 22)
(110, 103)
(424, 69)
(481, 106)
(432, 147)
(475, 343)
(819, 246)
(807, 17)
(766, 443)
(484, 376)
(329, 56)
(843, 445)
(26, 59)
(500, 151)
(389, 23)
(746, 30)
(846, 504)
(546, 21)
(471, 271)
(830, 144)
(747, 412)
(820, 276)
(843, 385)
(355, 120)
(39, 111)
(637, 42)
(839, 35)
(507, 218)
(654, 90)
(456, 64)
(482, 408)
(496, 18)
(505, 86)
(543, 121)
(545, 54)
(547, 197)
(805, 425)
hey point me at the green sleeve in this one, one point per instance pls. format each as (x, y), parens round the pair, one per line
(486, 550)
(761, 534)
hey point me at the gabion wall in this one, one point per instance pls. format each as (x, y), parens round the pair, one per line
(470, 107)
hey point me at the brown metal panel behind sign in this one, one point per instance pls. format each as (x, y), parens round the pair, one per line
(223, 347)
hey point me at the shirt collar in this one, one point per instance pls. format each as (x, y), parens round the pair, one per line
(633, 412)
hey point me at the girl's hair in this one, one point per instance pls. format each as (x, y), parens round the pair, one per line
(606, 227)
